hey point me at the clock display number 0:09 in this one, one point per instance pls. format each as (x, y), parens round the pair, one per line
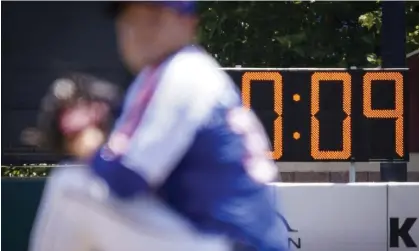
(345, 79)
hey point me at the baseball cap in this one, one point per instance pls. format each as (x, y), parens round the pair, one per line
(183, 7)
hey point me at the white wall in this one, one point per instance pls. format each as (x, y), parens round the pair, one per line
(348, 217)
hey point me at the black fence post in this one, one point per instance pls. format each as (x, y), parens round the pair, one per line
(393, 54)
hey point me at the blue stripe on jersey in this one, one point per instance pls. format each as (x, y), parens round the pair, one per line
(211, 188)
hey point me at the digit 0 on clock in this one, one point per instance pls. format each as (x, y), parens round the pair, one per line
(345, 79)
(247, 79)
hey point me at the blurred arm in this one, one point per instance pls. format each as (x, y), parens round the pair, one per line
(165, 132)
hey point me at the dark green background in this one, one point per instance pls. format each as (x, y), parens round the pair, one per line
(20, 198)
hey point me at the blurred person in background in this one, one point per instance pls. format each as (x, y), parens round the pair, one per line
(76, 116)
(184, 139)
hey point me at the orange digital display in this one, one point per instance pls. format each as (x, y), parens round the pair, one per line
(353, 129)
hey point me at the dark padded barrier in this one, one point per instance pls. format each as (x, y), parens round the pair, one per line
(20, 199)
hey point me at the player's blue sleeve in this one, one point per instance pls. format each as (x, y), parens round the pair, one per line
(122, 181)
(223, 193)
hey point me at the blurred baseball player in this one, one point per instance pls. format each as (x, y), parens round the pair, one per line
(185, 141)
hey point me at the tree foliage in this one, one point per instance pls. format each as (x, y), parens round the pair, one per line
(297, 34)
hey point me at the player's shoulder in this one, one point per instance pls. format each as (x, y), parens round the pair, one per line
(196, 69)
(197, 75)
